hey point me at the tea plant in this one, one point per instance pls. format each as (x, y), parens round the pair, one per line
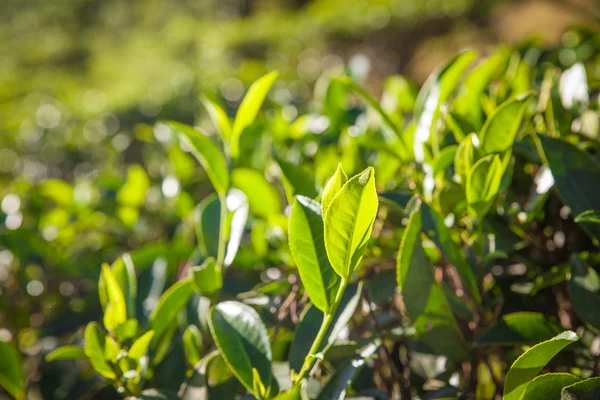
(467, 269)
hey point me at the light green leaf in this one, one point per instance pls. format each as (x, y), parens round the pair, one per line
(297, 392)
(435, 92)
(465, 156)
(468, 101)
(588, 389)
(249, 108)
(124, 272)
(483, 184)
(308, 249)
(588, 216)
(207, 153)
(424, 299)
(500, 129)
(530, 363)
(311, 320)
(116, 310)
(349, 220)
(219, 118)
(12, 375)
(263, 199)
(95, 341)
(207, 278)
(111, 349)
(576, 176)
(333, 186)
(66, 353)
(520, 328)
(243, 342)
(584, 292)
(192, 344)
(133, 192)
(549, 386)
(140, 346)
(169, 305)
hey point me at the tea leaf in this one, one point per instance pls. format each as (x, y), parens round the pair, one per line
(588, 389)
(249, 108)
(308, 249)
(243, 341)
(332, 187)
(206, 278)
(348, 222)
(500, 129)
(219, 118)
(207, 153)
(140, 346)
(116, 309)
(549, 386)
(530, 363)
(483, 184)
(66, 353)
(169, 305)
(95, 340)
(262, 197)
(520, 328)
(12, 375)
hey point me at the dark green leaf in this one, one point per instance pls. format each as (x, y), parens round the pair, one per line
(424, 299)
(549, 386)
(584, 291)
(169, 305)
(588, 389)
(243, 342)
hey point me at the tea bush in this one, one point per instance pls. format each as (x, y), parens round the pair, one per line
(439, 243)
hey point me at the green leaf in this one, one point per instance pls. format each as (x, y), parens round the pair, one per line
(333, 186)
(297, 392)
(311, 320)
(243, 342)
(348, 222)
(465, 156)
(424, 299)
(530, 363)
(95, 341)
(12, 375)
(468, 101)
(308, 249)
(66, 353)
(588, 389)
(483, 184)
(208, 227)
(133, 192)
(588, 216)
(207, 153)
(192, 344)
(219, 118)
(435, 92)
(206, 278)
(300, 180)
(249, 108)
(549, 386)
(262, 197)
(520, 328)
(124, 272)
(336, 387)
(500, 129)
(169, 305)
(576, 176)
(584, 292)
(116, 310)
(140, 346)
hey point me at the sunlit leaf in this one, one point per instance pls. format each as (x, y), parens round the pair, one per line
(483, 184)
(308, 249)
(530, 363)
(169, 305)
(140, 346)
(95, 340)
(116, 310)
(207, 278)
(349, 220)
(207, 153)
(219, 118)
(262, 197)
(249, 108)
(333, 186)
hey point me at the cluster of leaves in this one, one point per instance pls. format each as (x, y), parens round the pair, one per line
(479, 237)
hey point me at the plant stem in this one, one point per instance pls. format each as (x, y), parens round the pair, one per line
(310, 359)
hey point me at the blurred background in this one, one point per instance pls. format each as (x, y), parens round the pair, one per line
(84, 173)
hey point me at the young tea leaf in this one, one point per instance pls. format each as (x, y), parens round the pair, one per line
(483, 184)
(169, 305)
(116, 309)
(348, 222)
(219, 118)
(140, 346)
(249, 108)
(66, 353)
(95, 341)
(332, 187)
(207, 153)
(308, 249)
(549, 386)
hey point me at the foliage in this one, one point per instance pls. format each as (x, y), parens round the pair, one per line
(441, 245)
